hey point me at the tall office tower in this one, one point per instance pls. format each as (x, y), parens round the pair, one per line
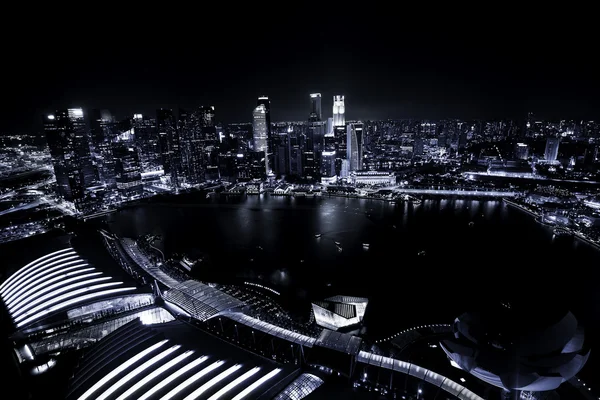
(418, 146)
(264, 101)
(354, 149)
(295, 153)
(146, 138)
(282, 163)
(521, 151)
(341, 145)
(551, 152)
(103, 130)
(315, 107)
(339, 111)
(328, 163)
(329, 126)
(69, 147)
(168, 139)
(260, 133)
(127, 170)
(191, 146)
(210, 145)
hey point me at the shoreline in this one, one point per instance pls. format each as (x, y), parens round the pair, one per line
(576, 234)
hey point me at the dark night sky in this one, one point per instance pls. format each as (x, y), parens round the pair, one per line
(388, 64)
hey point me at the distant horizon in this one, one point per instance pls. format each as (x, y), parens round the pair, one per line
(122, 115)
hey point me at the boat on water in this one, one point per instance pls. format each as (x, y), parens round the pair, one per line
(562, 232)
(318, 235)
(421, 253)
(471, 224)
(366, 246)
(337, 243)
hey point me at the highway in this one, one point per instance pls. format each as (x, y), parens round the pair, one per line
(455, 192)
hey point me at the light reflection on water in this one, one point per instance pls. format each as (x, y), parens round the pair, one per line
(501, 247)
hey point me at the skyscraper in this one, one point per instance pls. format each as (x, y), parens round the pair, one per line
(260, 132)
(168, 139)
(551, 152)
(68, 142)
(103, 130)
(315, 107)
(354, 149)
(264, 101)
(127, 170)
(339, 111)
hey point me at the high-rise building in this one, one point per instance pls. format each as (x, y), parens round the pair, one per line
(295, 153)
(191, 146)
(68, 142)
(103, 130)
(328, 163)
(168, 139)
(260, 132)
(521, 151)
(339, 111)
(551, 153)
(147, 141)
(354, 149)
(315, 107)
(127, 171)
(329, 126)
(264, 101)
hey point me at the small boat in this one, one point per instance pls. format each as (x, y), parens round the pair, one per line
(471, 223)
(318, 235)
(394, 226)
(422, 253)
(562, 232)
(259, 247)
(337, 244)
(366, 246)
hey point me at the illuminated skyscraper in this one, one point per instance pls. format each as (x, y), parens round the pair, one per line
(339, 111)
(168, 139)
(266, 103)
(260, 132)
(315, 107)
(354, 149)
(551, 152)
(103, 130)
(127, 170)
(69, 147)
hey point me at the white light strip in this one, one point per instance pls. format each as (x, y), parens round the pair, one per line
(16, 286)
(73, 301)
(44, 287)
(66, 296)
(32, 281)
(172, 377)
(198, 392)
(155, 374)
(58, 291)
(36, 270)
(24, 269)
(43, 279)
(233, 384)
(120, 369)
(124, 380)
(256, 384)
(189, 381)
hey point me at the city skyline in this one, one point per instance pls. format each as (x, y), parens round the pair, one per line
(257, 202)
(385, 70)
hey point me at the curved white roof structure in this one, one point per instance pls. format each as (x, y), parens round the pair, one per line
(55, 282)
(135, 362)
